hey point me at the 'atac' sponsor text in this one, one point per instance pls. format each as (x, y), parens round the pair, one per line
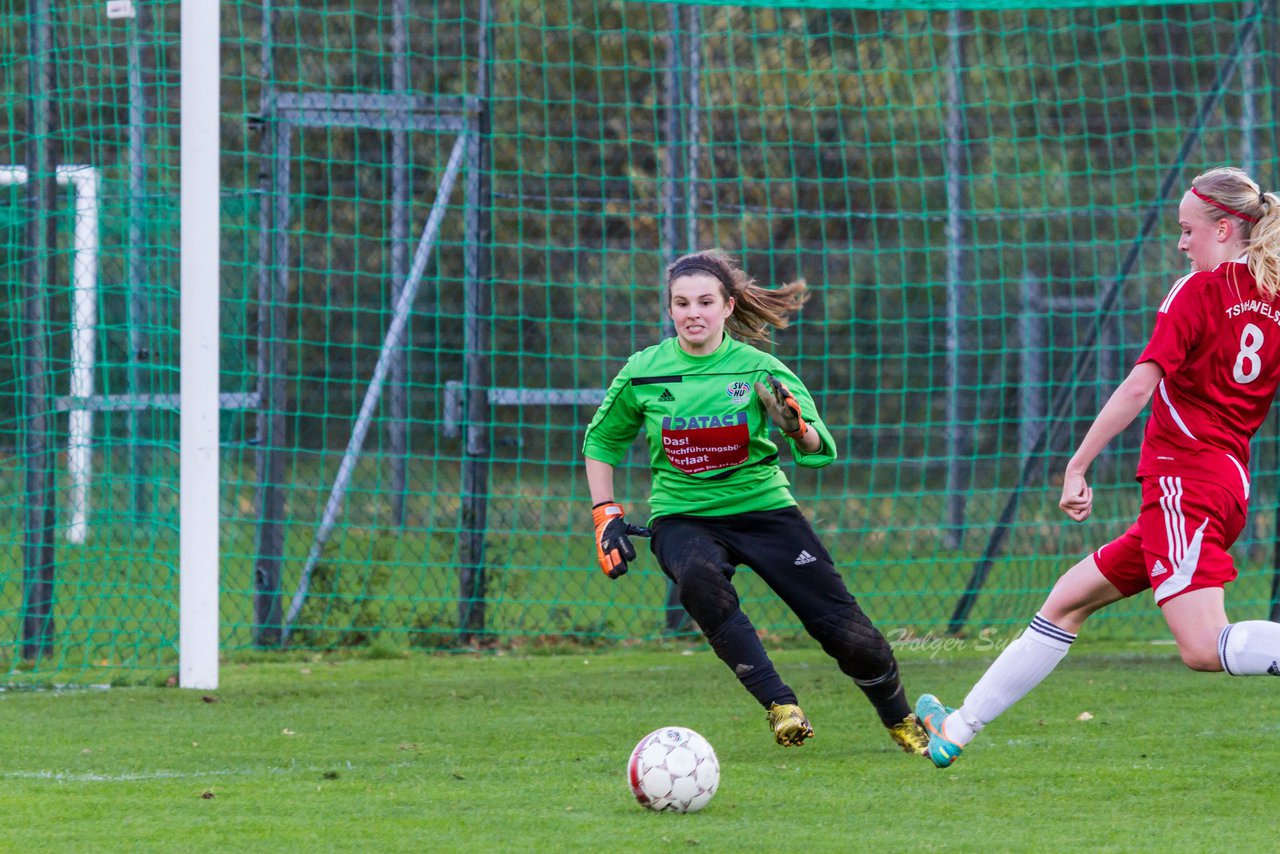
(699, 443)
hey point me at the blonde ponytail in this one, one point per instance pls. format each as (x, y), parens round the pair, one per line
(1264, 248)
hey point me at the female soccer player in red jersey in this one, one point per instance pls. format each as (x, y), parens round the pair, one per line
(719, 498)
(1211, 370)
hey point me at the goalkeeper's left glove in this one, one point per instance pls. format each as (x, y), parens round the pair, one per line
(782, 407)
(613, 549)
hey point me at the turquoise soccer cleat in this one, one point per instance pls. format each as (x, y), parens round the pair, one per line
(932, 714)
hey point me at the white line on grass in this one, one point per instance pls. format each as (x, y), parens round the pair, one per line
(68, 777)
(64, 777)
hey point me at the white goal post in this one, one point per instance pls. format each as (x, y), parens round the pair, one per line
(199, 474)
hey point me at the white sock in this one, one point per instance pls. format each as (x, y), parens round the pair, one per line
(1250, 648)
(1021, 667)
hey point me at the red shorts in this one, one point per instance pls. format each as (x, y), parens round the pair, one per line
(1179, 542)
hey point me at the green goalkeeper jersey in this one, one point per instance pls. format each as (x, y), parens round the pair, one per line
(707, 431)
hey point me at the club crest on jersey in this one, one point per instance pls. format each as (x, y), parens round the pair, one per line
(738, 390)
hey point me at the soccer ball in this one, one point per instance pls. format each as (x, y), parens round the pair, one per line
(673, 769)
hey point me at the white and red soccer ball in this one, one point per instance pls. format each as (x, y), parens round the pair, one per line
(673, 769)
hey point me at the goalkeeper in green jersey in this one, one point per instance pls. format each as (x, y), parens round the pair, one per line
(708, 400)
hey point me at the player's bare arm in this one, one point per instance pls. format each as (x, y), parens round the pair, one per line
(1129, 399)
(599, 480)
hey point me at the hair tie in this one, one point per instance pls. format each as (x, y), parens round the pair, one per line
(1220, 206)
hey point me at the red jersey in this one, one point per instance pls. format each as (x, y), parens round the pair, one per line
(1218, 341)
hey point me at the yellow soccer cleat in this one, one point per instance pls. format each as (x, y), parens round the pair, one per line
(910, 736)
(790, 726)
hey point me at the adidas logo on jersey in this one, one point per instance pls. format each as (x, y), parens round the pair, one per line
(804, 557)
(1158, 569)
(666, 396)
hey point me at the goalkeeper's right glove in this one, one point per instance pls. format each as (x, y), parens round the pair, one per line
(613, 549)
(782, 407)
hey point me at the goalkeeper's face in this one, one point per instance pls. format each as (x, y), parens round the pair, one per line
(699, 309)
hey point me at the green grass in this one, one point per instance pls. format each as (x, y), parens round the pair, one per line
(526, 753)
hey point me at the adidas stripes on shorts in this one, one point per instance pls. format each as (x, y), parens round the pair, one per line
(1179, 542)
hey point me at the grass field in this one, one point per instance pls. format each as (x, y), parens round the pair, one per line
(507, 753)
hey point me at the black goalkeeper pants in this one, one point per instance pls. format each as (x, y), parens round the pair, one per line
(701, 554)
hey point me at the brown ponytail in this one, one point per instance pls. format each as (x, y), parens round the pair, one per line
(756, 310)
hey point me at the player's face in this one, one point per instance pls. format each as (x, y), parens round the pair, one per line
(699, 310)
(1204, 240)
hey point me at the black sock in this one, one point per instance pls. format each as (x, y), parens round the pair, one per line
(887, 695)
(737, 645)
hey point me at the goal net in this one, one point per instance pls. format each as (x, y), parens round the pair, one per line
(443, 230)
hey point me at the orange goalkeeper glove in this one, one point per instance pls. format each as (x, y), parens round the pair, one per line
(782, 407)
(613, 549)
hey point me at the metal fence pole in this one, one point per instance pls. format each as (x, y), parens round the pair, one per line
(475, 484)
(960, 372)
(398, 390)
(41, 238)
(273, 284)
(136, 306)
(1031, 385)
